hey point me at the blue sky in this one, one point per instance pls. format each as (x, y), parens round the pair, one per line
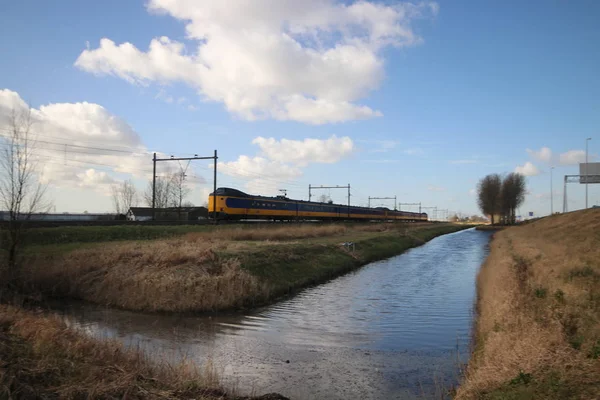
(461, 90)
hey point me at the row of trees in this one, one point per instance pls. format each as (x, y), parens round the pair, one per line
(171, 191)
(501, 196)
(459, 217)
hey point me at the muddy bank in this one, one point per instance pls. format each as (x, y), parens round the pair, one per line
(202, 273)
(537, 332)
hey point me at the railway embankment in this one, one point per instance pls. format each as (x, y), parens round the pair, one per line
(216, 268)
(537, 329)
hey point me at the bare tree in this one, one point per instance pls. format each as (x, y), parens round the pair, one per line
(323, 198)
(488, 195)
(21, 193)
(179, 190)
(512, 196)
(164, 192)
(124, 196)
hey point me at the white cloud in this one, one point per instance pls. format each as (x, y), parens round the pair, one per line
(433, 188)
(472, 192)
(573, 157)
(82, 144)
(281, 161)
(528, 169)
(544, 154)
(306, 151)
(262, 176)
(307, 61)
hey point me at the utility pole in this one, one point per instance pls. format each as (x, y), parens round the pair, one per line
(215, 188)
(196, 157)
(311, 188)
(384, 198)
(565, 196)
(348, 200)
(586, 171)
(434, 210)
(409, 204)
(551, 193)
(153, 185)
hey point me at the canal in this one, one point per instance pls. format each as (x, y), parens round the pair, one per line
(398, 328)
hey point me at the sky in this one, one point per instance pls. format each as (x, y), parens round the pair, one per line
(414, 100)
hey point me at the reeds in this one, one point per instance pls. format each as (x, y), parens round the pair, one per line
(41, 358)
(268, 232)
(539, 311)
(167, 275)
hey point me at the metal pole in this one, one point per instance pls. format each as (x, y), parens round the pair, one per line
(565, 196)
(419, 207)
(215, 189)
(153, 187)
(586, 171)
(395, 203)
(551, 193)
(309, 194)
(348, 200)
(369, 201)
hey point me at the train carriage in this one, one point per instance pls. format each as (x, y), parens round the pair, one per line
(233, 204)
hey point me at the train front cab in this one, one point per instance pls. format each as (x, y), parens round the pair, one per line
(221, 206)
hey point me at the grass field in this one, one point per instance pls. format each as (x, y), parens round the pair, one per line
(41, 358)
(538, 323)
(214, 268)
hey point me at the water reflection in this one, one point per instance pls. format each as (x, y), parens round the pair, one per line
(393, 329)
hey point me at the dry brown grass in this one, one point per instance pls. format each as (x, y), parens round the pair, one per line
(269, 232)
(41, 358)
(204, 272)
(166, 275)
(539, 311)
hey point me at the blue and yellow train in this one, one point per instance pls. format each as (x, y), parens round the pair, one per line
(232, 204)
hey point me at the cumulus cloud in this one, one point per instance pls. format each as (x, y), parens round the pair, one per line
(528, 169)
(81, 144)
(281, 161)
(303, 152)
(261, 175)
(573, 157)
(308, 61)
(544, 154)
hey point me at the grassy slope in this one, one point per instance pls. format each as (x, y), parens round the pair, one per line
(41, 358)
(538, 326)
(218, 270)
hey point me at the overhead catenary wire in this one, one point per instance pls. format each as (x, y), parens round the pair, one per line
(80, 148)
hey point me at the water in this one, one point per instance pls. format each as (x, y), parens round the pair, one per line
(398, 328)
